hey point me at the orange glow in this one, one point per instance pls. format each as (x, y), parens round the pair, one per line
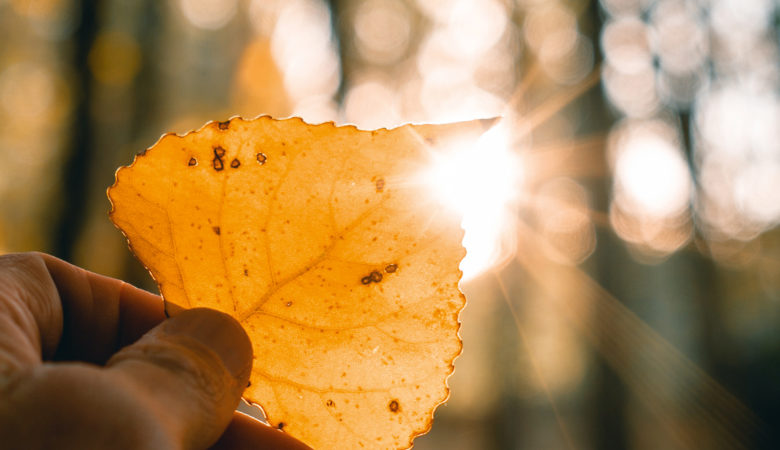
(114, 59)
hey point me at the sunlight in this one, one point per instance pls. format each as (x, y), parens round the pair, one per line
(481, 181)
(651, 176)
(660, 376)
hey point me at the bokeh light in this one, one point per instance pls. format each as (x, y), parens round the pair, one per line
(651, 176)
(652, 187)
(258, 88)
(738, 147)
(679, 36)
(564, 54)
(383, 30)
(27, 90)
(472, 28)
(371, 105)
(209, 14)
(629, 75)
(114, 59)
(303, 48)
(657, 56)
(561, 211)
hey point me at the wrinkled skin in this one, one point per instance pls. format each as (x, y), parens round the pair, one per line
(87, 361)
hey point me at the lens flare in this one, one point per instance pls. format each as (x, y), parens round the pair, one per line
(481, 181)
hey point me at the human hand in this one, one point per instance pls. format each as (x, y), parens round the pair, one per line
(88, 361)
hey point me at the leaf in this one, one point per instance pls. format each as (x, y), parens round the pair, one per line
(327, 246)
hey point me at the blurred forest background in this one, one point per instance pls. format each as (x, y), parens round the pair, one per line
(624, 256)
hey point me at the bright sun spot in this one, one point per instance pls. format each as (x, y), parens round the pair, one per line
(481, 181)
(651, 176)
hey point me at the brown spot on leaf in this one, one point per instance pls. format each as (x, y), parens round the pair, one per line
(235, 163)
(329, 403)
(391, 268)
(261, 158)
(192, 162)
(219, 152)
(380, 185)
(373, 277)
(216, 230)
(394, 406)
(224, 125)
(281, 425)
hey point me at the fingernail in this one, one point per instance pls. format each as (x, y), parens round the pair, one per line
(218, 332)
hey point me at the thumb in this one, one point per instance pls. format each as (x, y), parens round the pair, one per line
(190, 370)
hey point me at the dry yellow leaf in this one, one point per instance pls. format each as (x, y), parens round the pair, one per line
(328, 247)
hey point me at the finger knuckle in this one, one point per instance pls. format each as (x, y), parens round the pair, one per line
(192, 366)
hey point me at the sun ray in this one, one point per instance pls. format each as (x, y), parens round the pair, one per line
(654, 366)
(584, 143)
(577, 157)
(537, 372)
(563, 98)
(530, 76)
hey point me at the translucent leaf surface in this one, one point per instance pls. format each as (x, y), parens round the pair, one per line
(328, 247)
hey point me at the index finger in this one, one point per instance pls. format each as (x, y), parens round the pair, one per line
(100, 314)
(79, 315)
